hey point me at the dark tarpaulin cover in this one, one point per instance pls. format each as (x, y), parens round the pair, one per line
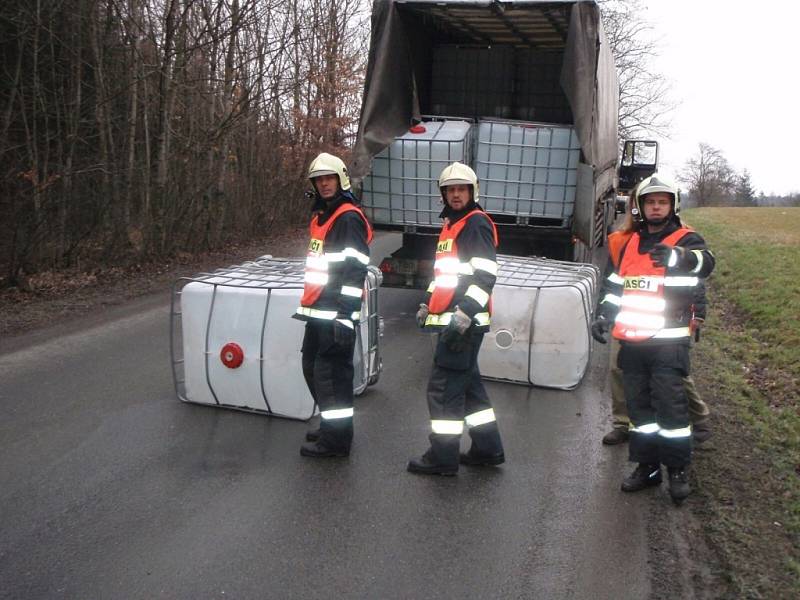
(589, 80)
(390, 102)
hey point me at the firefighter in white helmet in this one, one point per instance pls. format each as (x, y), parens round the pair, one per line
(648, 299)
(698, 410)
(336, 266)
(458, 307)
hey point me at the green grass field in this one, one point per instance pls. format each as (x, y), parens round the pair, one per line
(748, 366)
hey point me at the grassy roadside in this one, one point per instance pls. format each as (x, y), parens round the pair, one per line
(748, 368)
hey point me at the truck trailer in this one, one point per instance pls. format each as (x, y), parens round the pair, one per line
(525, 92)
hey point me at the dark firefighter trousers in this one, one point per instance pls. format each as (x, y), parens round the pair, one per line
(455, 390)
(655, 393)
(328, 371)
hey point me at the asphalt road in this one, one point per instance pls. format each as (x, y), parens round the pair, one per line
(111, 488)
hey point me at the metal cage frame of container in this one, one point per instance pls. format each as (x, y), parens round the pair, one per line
(517, 272)
(268, 273)
(562, 216)
(425, 188)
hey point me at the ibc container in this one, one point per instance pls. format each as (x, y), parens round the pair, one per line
(402, 186)
(471, 81)
(540, 329)
(528, 169)
(251, 306)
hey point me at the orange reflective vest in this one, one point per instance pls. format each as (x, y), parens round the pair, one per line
(317, 260)
(616, 242)
(448, 267)
(643, 306)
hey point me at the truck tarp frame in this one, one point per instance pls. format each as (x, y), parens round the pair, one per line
(588, 75)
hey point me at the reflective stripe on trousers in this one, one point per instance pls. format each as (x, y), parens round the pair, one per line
(337, 413)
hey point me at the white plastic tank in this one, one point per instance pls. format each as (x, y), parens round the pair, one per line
(236, 345)
(402, 185)
(528, 169)
(541, 316)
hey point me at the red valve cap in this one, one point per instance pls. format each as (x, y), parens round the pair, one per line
(231, 355)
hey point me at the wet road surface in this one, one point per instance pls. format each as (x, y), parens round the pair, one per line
(111, 488)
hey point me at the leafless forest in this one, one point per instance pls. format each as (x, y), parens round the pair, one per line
(136, 128)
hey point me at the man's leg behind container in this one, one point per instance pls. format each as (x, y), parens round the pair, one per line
(619, 409)
(698, 412)
(309, 355)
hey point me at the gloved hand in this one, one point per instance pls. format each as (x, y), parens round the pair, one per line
(662, 255)
(344, 332)
(600, 327)
(674, 257)
(455, 334)
(422, 314)
(462, 321)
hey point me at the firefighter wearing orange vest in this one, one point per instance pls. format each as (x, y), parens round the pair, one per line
(336, 265)
(458, 308)
(648, 301)
(698, 410)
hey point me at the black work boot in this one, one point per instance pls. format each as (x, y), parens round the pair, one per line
(312, 435)
(320, 450)
(618, 435)
(678, 484)
(644, 476)
(426, 465)
(476, 459)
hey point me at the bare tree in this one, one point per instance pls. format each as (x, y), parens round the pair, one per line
(135, 128)
(710, 178)
(645, 105)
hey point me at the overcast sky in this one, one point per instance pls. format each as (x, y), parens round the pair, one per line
(735, 69)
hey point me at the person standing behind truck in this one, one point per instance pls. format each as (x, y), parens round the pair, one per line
(648, 300)
(336, 266)
(698, 410)
(458, 308)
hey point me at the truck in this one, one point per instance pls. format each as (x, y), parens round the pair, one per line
(525, 92)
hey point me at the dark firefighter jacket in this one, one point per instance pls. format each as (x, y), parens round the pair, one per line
(476, 241)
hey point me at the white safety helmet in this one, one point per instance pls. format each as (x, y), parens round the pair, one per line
(657, 183)
(328, 164)
(458, 174)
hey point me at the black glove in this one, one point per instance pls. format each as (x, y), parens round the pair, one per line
(673, 257)
(661, 255)
(600, 327)
(344, 332)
